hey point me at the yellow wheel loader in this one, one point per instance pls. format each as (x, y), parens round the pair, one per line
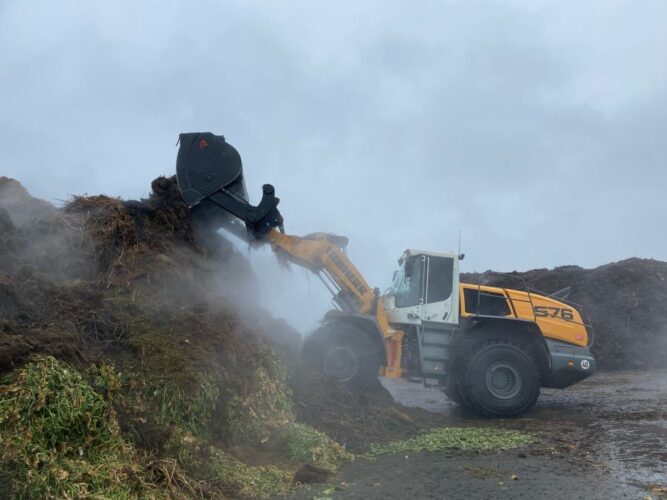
(491, 349)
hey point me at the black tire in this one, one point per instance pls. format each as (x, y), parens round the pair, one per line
(343, 352)
(499, 378)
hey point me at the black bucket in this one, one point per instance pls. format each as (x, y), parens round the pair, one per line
(205, 164)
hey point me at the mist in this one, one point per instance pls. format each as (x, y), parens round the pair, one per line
(293, 293)
(38, 237)
(535, 128)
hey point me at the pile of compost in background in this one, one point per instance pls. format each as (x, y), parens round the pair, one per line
(624, 301)
(125, 307)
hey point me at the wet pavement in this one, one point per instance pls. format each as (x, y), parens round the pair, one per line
(603, 438)
(615, 422)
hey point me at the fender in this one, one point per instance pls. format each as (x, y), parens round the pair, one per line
(513, 326)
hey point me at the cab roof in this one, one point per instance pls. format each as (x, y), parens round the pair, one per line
(412, 252)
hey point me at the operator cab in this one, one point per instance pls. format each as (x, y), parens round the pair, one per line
(425, 289)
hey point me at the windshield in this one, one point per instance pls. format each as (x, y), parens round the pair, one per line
(408, 290)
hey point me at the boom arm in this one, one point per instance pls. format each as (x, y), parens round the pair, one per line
(323, 255)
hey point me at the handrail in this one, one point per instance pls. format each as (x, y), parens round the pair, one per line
(585, 320)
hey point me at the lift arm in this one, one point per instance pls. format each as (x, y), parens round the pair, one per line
(323, 254)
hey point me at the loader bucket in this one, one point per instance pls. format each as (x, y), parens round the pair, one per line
(210, 177)
(205, 164)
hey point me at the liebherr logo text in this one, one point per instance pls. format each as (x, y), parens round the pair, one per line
(346, 271)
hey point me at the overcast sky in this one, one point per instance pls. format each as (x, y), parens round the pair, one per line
(537, 128)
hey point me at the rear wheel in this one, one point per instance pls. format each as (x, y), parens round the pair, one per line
(499, 378)
(343, 352)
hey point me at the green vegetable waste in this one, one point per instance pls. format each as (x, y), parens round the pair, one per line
(456, 438)
(60, 439)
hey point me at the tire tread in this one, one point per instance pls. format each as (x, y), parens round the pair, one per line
(465, 386)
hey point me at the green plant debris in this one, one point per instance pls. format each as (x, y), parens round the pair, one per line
(174, 407)
(455, 438)
(328, 492)
(60, 439)
(225, 472)
(235, 478)
(305, 444)
(263, 406)
(160, 401)
(107, 379)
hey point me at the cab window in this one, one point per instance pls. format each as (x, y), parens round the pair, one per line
(440, 279)
(486, 303)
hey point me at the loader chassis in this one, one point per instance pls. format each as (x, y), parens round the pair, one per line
(513, 337)
(490, 349)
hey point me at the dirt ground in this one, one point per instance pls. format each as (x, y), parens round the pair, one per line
(603, 438)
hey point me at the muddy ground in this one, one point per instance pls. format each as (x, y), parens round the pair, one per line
(603, 438)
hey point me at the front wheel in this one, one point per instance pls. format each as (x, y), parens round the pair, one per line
(500, 379)
(345, 353)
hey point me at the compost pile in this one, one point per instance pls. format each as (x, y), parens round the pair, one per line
(135, 362)
(624, 301)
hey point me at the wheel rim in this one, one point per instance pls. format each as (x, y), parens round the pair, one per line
(503, 380)
(341, 363)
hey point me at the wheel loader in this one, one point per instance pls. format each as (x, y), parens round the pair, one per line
(489, 348)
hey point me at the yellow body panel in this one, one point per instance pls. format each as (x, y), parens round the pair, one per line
(556, 319)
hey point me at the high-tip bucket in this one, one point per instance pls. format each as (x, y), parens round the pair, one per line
(206, 163)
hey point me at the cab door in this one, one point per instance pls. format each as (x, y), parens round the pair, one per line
(408, 292)
(441, 290)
